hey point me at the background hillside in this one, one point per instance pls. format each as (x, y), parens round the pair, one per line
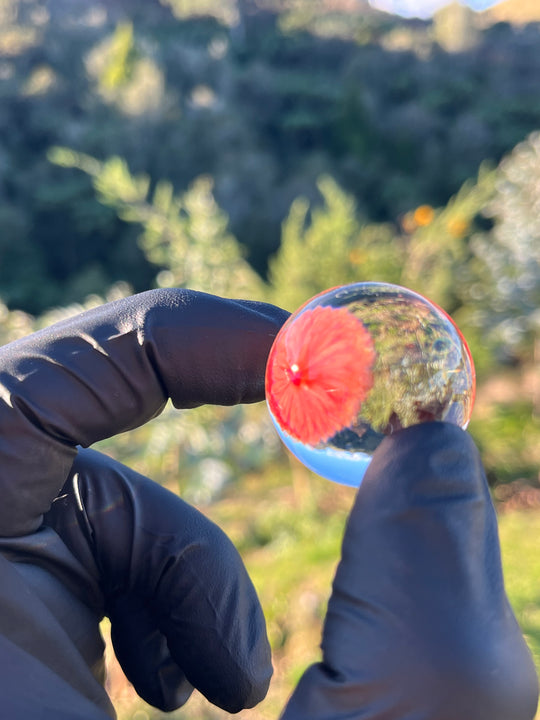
(263, 97)
(272, 149)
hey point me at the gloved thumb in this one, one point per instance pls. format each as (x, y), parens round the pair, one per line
(418, 623)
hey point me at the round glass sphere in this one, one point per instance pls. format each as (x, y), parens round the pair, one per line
(359, 362)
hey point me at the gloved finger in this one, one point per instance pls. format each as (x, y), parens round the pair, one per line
(142, 651)
(150, 546)
(111, 369)
(418, 623)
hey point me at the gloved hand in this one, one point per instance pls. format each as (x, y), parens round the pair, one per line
(418, 625)
(112, 369)
(183, 610)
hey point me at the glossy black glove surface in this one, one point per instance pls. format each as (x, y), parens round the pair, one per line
(183, 610)
(418, 625)
(111, 369)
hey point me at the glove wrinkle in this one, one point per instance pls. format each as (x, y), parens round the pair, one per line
(183, 610)
(158, 679)
(111, 541)
(419, 626)
(111, 369)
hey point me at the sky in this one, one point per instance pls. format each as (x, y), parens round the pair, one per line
(425, 8)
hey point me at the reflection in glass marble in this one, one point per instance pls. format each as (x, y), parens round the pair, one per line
(359, 362)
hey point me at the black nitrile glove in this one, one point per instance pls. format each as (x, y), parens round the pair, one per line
(112, 369)
(183, 611)
(418, 624)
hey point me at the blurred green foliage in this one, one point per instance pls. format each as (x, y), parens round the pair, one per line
(439, 252)
(266, 98)
(329, 244)
(245, 149)
(521, 564)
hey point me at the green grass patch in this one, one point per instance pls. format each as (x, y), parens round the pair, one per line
(520, 547)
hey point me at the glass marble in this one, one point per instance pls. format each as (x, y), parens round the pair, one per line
(359, 362)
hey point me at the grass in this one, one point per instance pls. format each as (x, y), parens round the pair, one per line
(289, 534)
(520, 543)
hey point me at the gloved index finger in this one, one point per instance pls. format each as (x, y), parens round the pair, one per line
(111, 369)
